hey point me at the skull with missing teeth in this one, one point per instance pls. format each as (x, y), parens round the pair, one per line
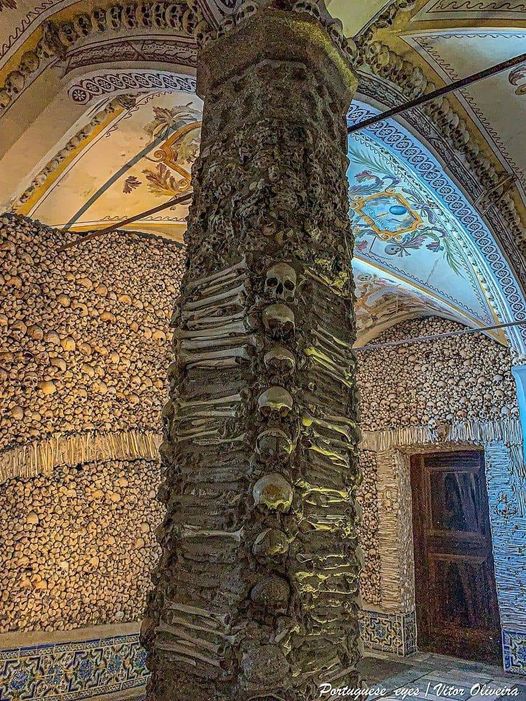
(278, 320)
(275, 402)
(280, 282)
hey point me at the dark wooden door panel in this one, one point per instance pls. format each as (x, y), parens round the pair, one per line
(457, 608)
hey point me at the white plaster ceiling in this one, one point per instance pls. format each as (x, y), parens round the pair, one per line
(497, 104)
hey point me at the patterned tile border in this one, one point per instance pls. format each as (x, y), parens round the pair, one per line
(72, 671)
(514, 651)
(389, 632)
(104, 667)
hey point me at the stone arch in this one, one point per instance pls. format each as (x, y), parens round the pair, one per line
(489, 248)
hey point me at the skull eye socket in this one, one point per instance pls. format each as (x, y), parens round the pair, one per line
(289, 285)
(272, 282)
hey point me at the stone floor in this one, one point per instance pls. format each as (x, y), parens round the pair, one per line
(438, 678)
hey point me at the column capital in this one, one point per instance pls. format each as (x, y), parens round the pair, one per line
(277, 35)
(222, 17)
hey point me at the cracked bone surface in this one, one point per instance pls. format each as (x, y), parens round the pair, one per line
(260, 436)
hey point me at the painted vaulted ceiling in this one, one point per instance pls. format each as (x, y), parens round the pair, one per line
(111, 126)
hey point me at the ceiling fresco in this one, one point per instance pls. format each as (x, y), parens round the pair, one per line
(497, 104)
(402, 228)
(423, 243)
(412, 220)
(413, 256)
(141, 159)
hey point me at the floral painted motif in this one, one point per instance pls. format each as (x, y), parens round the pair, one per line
(394, 218)
(169, 119)
(177, 131)
(130, 184)
(162, 181)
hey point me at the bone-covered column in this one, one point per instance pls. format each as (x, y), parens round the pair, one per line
(256, 593)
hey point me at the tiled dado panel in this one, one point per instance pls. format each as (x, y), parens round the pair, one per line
(72, 671)
(389, 632)
(103, 666)
(514, 650)
(87, 669)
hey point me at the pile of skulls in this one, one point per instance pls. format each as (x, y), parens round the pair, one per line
(85, 331)
(454, 379)
(77, 547)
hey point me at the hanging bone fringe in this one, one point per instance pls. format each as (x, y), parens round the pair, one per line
(507, 431)
(45, 456)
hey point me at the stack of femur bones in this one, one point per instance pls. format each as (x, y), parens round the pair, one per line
(286, 558)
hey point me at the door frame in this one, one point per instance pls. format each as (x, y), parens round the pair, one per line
(393, 451)
(419, 508)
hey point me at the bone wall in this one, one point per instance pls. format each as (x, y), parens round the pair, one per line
(119, 305)
(84, 332)
(84, 350)
(77, 546)
(465, 378)
(455, 379)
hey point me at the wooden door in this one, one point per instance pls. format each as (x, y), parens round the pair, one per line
(457, 611)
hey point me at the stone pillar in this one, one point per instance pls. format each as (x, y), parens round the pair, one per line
(256, 593)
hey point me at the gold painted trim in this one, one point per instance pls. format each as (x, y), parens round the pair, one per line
(165, 154)
(385, 234)
(32, 203)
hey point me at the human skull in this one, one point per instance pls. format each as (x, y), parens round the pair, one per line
(129, 16)
(114, 17)
(202, 33)
(272, 592)
(271, 542)
(67, 34)
(82, 24)
(280, 282)
(14, 83)
(98, 19)
(274, 492)
(264, 665)
(144, 14)
(274, 444)
(275, 401)
(278, 320)
(309, 7)
(5, 98)
(29, 62)
(279, 359)
(158, 13)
